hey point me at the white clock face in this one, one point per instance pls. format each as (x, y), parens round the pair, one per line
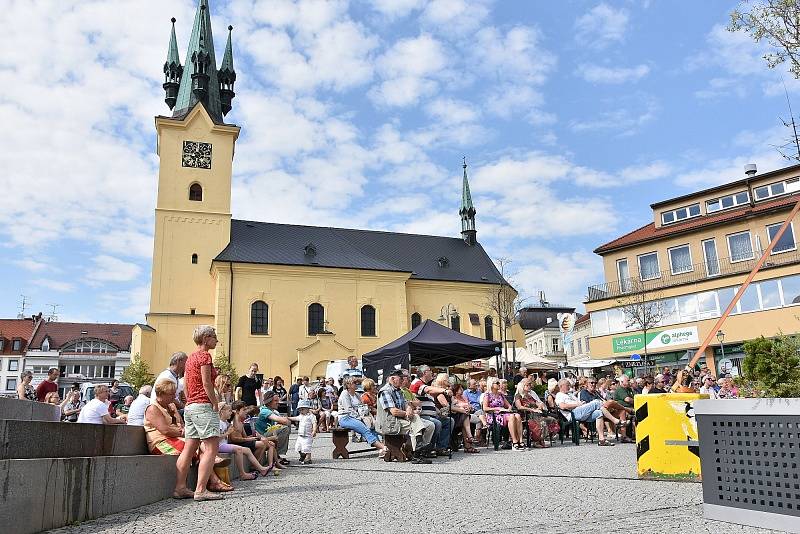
(196, 155)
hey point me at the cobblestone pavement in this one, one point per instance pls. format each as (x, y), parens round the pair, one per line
(559, 490)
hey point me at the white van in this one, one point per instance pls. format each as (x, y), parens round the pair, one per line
(336, 369)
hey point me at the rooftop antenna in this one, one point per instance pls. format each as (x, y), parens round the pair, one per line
(23, 307)
(53, 316)
(543, 299)
(793, 144)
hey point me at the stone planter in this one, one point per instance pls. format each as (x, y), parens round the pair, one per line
(750, 458)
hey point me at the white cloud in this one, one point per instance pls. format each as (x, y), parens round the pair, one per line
(457, 17)
(55, 285)
(562, 274)
(30, 264)
(623, 121)
(394, 9)
(111, 269)
(601, 26)
(612, 75)
(719, 87)
(408, 70)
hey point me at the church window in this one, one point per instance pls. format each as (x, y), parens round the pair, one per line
(194, 259)
(196, 192)
(367, 321)
(487, 325)
(259, 317)
(316, 319)
(416, 320)
(455, 323)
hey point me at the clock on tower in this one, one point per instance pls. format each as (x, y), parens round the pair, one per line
(196, 154)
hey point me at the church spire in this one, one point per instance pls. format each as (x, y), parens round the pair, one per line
(202, 83)
(227, 76)
(172, 70)
(467, 211)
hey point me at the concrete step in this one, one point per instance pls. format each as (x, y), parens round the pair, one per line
(44, 493)
(28, 411)
(40, 439)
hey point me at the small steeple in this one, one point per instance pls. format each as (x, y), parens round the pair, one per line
(467, 212)
(227, 76)
(172, 70)
(202, 83)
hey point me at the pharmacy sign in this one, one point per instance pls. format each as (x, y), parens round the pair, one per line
(656, 339)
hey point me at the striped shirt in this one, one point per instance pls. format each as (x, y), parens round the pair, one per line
(426, 403)
(392, 397)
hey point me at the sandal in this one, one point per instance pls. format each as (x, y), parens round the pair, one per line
(219, 487)
(248, 476)
(605, 443)
(471, 450)
(185, 494)
(283, 461)
(266, 471)
(207, 496)
(519, 446)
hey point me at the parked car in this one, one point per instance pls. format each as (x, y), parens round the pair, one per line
(87, 391)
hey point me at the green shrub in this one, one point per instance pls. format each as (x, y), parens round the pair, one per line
(771, 367)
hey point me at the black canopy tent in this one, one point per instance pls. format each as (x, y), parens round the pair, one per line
(430, 343)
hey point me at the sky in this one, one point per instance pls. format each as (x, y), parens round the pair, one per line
(573, 116)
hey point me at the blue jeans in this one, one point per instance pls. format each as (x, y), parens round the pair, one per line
(441, 434)
(590, 411)
(358, 427)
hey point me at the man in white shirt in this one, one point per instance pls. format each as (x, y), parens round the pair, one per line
(708, 387)
(173, 373)
(304, 389)
(139, 405)
(96, 410)
(571, 407)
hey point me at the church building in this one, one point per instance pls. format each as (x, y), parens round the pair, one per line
(289, 297)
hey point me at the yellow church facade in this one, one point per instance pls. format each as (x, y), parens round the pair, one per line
(291, 298)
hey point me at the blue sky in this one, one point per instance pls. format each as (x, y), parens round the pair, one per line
(574, 117)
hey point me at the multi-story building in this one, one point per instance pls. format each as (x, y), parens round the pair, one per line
(542, 334)
(15, 334)
(83, 352)
(578, 349)
(690, 260)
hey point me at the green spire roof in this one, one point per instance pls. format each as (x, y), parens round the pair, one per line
(201, 41)
(172, 55)
(227, 58)
(466, 197)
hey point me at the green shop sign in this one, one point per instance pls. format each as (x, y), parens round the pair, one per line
(655, 340)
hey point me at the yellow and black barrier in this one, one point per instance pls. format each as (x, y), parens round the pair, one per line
(666, 436)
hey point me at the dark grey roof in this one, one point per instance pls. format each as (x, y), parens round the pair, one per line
(287, 244)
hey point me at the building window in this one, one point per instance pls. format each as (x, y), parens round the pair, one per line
(316, 319)
(680, 214)
(680, 259)
(196, 192)
(786, 242)
(556, 345)
(623, 275)
(108, 371)
(488, 328)
(90, 346)
(572, 348)
(740, 247)
(455, 323)
(367, 321)
(46, 345)
(194, 259)
(416, 320)
(2, 344)
(586, 343)
(192, 311)
(13, 365)
(768, 191)
(648, 266)
(11, 384)
(259, 317)
(16, 345)
(580, 346)
(711, 258)
(728, 201)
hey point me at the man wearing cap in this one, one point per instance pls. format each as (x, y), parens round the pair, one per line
(271, 423)
(396, 417)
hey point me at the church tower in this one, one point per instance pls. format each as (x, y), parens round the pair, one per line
(467, 212)
(193, 208)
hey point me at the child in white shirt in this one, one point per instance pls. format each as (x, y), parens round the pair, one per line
(306, 431)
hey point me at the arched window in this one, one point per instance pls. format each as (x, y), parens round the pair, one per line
(194, 259)
(416, 320)
(259, 317)
(196, 192)
(487, 327)
(316, 319)
(455, 323)
(367, 321)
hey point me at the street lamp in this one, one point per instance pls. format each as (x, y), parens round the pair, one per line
(721, 338)
(448, 312)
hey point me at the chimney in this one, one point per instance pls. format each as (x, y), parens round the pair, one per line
(750, 169)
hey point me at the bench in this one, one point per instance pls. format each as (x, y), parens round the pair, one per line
(341, 437)
(398, 447)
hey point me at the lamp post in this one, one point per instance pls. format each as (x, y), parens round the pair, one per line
(448, 313)
(721, 338)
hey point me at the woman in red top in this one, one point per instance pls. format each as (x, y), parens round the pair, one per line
(200, 417)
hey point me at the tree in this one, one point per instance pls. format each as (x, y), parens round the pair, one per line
(642, 311)
(776, 22)
(504, 302)
(771, 367)
(137, 373)
(225, 367)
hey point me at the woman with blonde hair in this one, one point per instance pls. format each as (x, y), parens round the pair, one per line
(370, 397)
(223, 389)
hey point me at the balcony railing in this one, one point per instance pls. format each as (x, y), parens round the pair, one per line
(698, 273)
